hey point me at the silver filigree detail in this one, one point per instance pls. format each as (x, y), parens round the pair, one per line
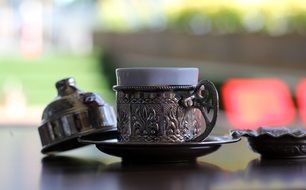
(145, 123)
(158, 115)
(123, 125)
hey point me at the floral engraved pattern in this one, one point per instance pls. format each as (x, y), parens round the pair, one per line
(172, 126)
(183, 125)
(123, 124)
(147, 116)
(145, 122)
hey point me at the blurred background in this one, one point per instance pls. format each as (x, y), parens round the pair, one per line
(253, 50)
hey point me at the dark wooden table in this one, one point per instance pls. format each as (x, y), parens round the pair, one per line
(233, 166)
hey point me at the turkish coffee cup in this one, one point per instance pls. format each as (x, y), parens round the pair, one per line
(164, 105)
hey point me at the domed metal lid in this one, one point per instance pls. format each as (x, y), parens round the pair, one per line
(75, 114)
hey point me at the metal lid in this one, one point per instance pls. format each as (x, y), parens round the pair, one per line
(75, 114)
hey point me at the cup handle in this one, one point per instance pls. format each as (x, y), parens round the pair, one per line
(204, 97)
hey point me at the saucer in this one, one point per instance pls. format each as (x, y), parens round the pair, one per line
(161, 152)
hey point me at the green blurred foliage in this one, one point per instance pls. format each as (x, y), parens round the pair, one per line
(206, 16)
(37, 77)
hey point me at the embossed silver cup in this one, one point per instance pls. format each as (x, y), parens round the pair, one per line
(164, 105)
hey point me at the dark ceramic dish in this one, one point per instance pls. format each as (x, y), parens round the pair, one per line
(161, 152)
(283, 143)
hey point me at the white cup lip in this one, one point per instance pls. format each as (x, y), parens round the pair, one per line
(157, 76)
(155, 68)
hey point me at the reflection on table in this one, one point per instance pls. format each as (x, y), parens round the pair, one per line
(233, 166)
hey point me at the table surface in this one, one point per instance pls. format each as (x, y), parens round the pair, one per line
(233, 166)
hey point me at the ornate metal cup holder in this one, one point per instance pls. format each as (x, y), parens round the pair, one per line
(276, 143)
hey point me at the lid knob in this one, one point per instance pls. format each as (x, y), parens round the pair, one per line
(66, 86)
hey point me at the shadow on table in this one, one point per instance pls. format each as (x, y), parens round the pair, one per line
(73, 173)
(63, 172)
(196, 175)
(281, 169)
(266, 174)
(66, 164)
(275, 174)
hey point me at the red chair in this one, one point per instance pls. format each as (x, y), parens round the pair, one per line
(252, 103)
(301, 99)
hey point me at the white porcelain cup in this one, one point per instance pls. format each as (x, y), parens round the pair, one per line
(156, 76)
